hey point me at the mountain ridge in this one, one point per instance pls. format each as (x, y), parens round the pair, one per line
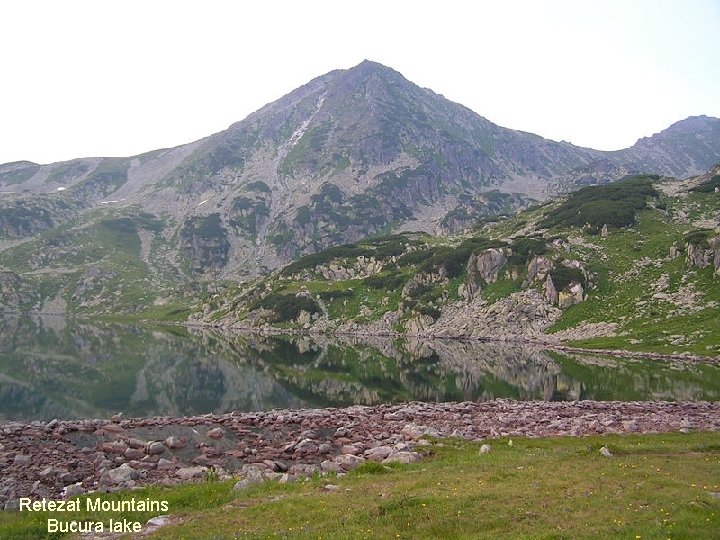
(351, 154)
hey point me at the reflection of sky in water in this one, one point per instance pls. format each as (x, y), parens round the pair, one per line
(57, 368)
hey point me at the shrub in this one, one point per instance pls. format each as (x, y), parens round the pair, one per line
(709, 186)
(562, 276)
(338, 252)
(287, 307)
(428, 310)
(385, 281)
(336, 294)
(612, 204)
(525, 248)
(699, 237)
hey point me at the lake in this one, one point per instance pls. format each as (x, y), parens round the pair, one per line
(53, 367)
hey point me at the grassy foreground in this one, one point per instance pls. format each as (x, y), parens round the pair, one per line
(654, 486)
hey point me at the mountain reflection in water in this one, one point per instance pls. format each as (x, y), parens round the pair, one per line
(58, 368)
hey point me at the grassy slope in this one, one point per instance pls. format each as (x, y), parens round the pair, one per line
(625, 265)
(625, 296)
(655, 486)
(106, 240)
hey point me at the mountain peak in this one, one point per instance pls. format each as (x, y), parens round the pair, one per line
(368, 68)
(695, 126)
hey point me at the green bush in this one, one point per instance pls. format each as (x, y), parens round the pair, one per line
(709, 186)
(699, 237)
(385, 281)
(525, 248)
(430, 311)
(287, 307)
(122, 225)
(562, 276)
(337, 252)
(336, 294)
(258, 186)
(612, 204)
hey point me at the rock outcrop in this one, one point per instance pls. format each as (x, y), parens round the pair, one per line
(574, 295)
(487, 264)
(537, 270)
(549, 291)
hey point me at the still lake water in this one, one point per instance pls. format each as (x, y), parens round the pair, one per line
(58, 368)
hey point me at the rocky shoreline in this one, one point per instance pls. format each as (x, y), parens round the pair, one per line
(64, 458)
(546, 341)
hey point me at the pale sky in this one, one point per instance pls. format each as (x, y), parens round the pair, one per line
(87, 78)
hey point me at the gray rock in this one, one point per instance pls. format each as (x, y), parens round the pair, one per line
(485, 449)
(574, 295)
(287, 478)
(415, 431)
(122, 474)
(403, 457)
(188, 473)
(378, 453)
(216, 433)
(349, 461)
(73, 490)
(155, 448)
(307, 446)
(330, 466)
(252, 476)
(166, 465)
(538, 269)
(155, 523)
(549, 291)
(174, 443)
(487, 264)
(22, 459)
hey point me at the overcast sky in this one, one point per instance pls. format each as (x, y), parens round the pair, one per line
(114, 78)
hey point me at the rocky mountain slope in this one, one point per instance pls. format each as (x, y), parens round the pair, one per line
(633, 264)
(351, 154)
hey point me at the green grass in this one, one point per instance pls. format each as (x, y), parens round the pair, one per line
(647, 324)
(655, 486)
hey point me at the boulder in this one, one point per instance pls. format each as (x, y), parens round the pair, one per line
(538, 269)
(154, 448)
(188, 473)
(378, 453)
(487, 264)
(415, 431)
(251, 476)
(419, 324)
(349, 461)
(698, 256)
(73, 490)
(574, 295)
(402, 457)
(174, 443)
(216, 433)
(122, 474)
(330, 466)
(549, 291)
